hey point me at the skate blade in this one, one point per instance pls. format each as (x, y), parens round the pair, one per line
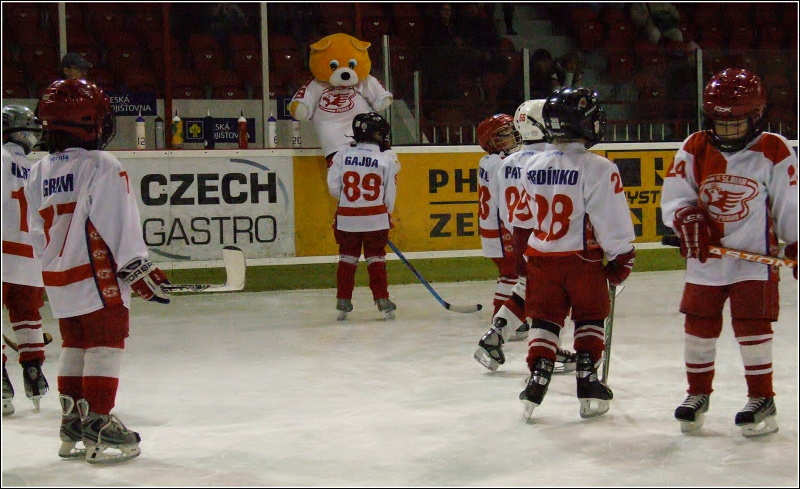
(765, 427)
(104, 454)
(35, 401)
(564, 368)
(591, 408)
(70, 451)
(692, 426)
(388, 315)
(341, 316)
(527, 413)
(483, 357)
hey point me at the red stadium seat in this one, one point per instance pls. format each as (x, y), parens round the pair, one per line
(373, 29)
(408, 27)
(687, 30)
(591, 34)
(579, 14)
(43, 77)
(140, 80)
(737, 14)
(146, 18)
(239, 42)
(337, 17)
(15, 90)
(89, 53)
(205, 61)
(201, 42)
(102, 77)
(620, 65)
(403, 66)
(764, 14)
(79, 39)
(280, 42)
(122, 59)
(107, 21)
(621, 32)
(247, 63)
(741, 37)
(186, 85)
(770, 36)
(37, 58)
(226, 85)
(122, 39)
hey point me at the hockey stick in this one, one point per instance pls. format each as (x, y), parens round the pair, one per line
(613, 292)
(673, 240)
(235, 268)
(13, 345)
(444, 303)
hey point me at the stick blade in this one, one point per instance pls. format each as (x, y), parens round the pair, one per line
(464, 309)
(235, 269)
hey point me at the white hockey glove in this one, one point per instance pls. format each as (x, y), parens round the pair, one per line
(145, 279)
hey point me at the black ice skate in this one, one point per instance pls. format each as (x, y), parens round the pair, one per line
(757, 417)
(107, 440)
(343, 306)
(490, 346)
(8, 394)
(691, 413)
(71, 431)
(565, 361)
(387, 307)
(35, 384)
(533, 394)
(594, 396)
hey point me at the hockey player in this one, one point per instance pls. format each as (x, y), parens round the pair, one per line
(505, 181)
(23, 292)
(581, 214)
(362, 177)
(499, 139)
(735, 186)
(85, 229)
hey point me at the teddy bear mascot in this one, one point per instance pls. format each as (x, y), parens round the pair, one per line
(341, 89)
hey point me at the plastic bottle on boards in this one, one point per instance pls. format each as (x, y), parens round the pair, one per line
(297, 140)
(272, 131)
(242, 126)
(177, 131)
(159, 132)
(208, 131)
(141, 139)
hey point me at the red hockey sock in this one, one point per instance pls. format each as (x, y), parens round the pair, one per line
(71, 386)
(101, 392)
(345, 280)
(376, 268)
(590, 337)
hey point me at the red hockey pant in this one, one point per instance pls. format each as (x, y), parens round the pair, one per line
(350, 245)
(23, 303)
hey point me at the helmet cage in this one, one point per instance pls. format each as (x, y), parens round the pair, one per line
(21, 126)
(498, 135)
(730, 96)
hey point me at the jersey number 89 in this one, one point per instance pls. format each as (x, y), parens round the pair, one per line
(354, 186)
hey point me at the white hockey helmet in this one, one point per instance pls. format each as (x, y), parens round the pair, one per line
(529, 122)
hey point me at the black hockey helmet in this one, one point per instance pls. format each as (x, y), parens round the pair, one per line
(575, 113)
(370, 127)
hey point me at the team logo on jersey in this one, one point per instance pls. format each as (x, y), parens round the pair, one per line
(337, 99)
(726, 196)
(109, 292)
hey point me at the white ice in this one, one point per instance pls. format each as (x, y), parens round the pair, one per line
(266, 389)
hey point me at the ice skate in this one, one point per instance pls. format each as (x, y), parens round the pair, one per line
(533, 394)
(691, 413)
(107, 440)
(343, 306)
(757, 417)
(565, 361)
(8, 394)
(35, 383)
(387, 307)
(71, 431)
(594, 396)
(490, 346)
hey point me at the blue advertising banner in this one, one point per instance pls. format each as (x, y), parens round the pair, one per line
(129, 103)
(225, 130)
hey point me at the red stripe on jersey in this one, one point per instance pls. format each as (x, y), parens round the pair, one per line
(362, 211)
(103, 267)
(18, 249)
(534, 252)
(772, 146)
(488, 233)
(66, 277)
(67, 208)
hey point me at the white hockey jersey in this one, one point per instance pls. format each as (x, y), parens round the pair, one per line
(84, 224)
(363, 178)
(19, 263)
(488, 213)
(332, 109)
(750, 197)
(572, 190)
(514, 208)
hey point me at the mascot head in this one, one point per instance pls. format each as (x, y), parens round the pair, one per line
(340, 59)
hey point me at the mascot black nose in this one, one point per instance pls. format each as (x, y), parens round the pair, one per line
(345, 76)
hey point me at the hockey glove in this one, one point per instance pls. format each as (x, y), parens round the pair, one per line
(691, 226)
(791, 252)
(618, 269)
(145, 279)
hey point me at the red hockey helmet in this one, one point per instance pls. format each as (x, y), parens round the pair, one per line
(497, 133)
(734, 94)
(78, 108)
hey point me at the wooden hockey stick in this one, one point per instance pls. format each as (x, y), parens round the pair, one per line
(444, 303)
(672, 240)
(235, 269)
(13, 345)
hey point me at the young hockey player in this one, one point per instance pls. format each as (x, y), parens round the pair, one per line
(23, 292)
(581, 214)
(731, 185)
(362, 178)
(85, 230)
(506, 197)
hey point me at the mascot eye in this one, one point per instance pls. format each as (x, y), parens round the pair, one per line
(334, 64)
(352, 64)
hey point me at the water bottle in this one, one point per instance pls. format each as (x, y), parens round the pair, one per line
(140, 134)
(208, 131)
(297, 140)
(272, 131)
(177, 131)
(159, 129)
(242, 126)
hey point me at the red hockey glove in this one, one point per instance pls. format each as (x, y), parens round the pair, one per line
(145, 279)
(791, 252)
(691, 226)
(618, 269)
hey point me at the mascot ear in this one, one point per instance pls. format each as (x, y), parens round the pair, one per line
(360, 45)
(321, 45)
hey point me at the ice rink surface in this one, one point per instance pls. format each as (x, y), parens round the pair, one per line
(265, 389)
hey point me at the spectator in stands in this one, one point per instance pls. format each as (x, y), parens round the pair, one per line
(442, 31)
(446, 54)
(480, 39)
(74, 66)
(544, 74)
(226, 19)
(570, 69)
(657, 20)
